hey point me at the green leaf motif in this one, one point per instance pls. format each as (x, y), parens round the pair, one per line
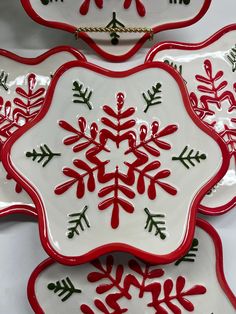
(3, 80)
(46, 2)
(191, 255)
(153, 96)
(65, 288)
(81, 95)
(155, 222)
(232, 58)
(45, 155)
(188, 159)
(178, 68)
(79, 220)
(186, 2)
(114, 24)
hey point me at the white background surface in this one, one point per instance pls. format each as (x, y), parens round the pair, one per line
(20, 247)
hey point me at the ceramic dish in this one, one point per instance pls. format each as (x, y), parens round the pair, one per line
(23, 84)
(123, 167)
(209, 71)
(120, 283)
(146, 16)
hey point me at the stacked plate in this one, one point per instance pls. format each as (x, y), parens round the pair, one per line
(116, 165)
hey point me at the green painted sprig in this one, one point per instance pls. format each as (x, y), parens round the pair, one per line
(81, 95)
(156, 223)
(79, 221)
(3, 80)
(45, 155)
(64, 288)
(191, 255)
(188, 158)
(153, 96)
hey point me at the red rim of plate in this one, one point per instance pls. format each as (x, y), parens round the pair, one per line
(31, 288)
(191, 220)
(212, 211)
(19, 209)
(24, 208)
(72, 29)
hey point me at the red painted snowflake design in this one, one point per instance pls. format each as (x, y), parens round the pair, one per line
(139, 5)
(26, 106)
(84, 8)
(117, 286)
(118, 190)
(215, 96)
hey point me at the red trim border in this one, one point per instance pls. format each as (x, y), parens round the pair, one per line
(212, 211)
(84, 36)
(153, 258)
(39, 59)
(27, 209)
(19, 209)
(31, 288)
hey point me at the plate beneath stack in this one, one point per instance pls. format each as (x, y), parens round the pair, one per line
(23, 86)
(119, 283)
(209, 70)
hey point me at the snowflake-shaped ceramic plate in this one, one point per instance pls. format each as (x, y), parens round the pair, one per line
(209, 71)
(123, 167)
(120, 283)
(149, 16)
(23, 84)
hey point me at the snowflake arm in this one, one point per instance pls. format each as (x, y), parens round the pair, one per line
(180, 296)
(153, 180)
(80, 134)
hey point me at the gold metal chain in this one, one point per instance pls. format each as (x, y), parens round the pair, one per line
(114, 30)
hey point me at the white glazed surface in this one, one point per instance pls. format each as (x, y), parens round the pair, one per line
(18, 74)
(131, 228)
(20, 244)
(192, 64)
(200, 272)
(69, 12)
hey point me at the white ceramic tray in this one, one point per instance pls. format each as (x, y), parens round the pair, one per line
(120, 283)
(23, 85)
(209, 69)
(146, 16)
(123, 167)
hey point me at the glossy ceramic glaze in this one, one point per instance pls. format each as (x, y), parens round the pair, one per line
(23, 85)
(209, 71)
(119, 169)
(156, 15)
(119, 283)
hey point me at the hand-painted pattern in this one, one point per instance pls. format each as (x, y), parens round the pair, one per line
(114, 23)
(190, 158)
(216, 95)
(3, 80)
(44, 156)
(177, 67)
(115, 286)
(79, 222)
(191, 255)
(119, 128)
(153, 96)
(232, 58)
(156, 223)
(84, 8)
(186, 2)
(81, 95)
(26, 106)
(65, 288)
(46, 2)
